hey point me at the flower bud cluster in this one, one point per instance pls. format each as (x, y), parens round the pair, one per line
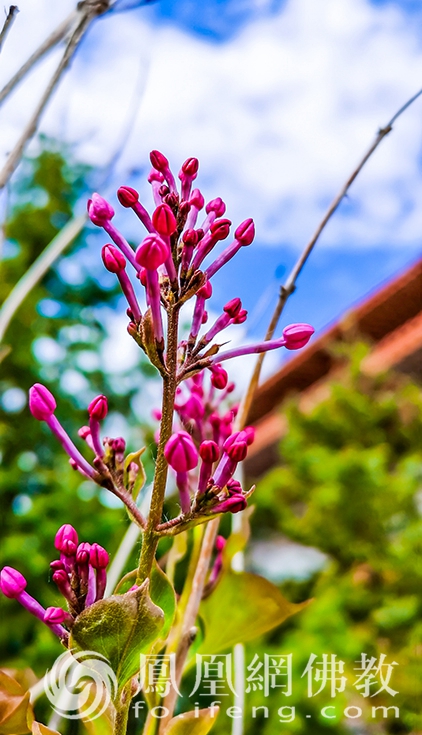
(79, 574)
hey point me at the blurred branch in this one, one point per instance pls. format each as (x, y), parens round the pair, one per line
(38, 269)
(10, 19)
(52, 40)
(290, 284)
(88, 12)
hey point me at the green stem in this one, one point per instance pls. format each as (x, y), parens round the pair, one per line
(122, 711)
(151, 538)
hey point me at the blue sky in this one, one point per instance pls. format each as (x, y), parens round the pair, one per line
(279, 99)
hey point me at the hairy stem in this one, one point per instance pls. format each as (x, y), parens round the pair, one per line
(150, 540)
(122, 711)
(10, 19)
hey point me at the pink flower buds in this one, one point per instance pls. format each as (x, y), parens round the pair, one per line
(113, 259)
(220, 543)
(190, 168)
(152, 252)
(220, 229)
(64, 534)
(196, 200)
(209, 451)
(98, 557)
(233, 307)
(159, 161)
(83, 552)
(164, 220)
(98, 408)
(127, 196)
(56, 616)
(12, 582)
(99, 210)
(205, 292)
(216, 205)
(219, 377)
(180, 452)
(190, 238)
(234, 504)
(245, 233)
(297, 335)
(42, 403)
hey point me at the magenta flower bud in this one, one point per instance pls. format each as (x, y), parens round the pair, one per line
(163, 190)
(164, 220)
(197, 200)
(99, 210)
(297, 335)
(216, 205)
(194, 408)
(180, 452)
(83, 553)
(56, 616)
(219, 378)
(12, 582)
(98, 557)
(241, 317)
(249, 434)
(56, 564)
(68, 548)
(234, 487)
(234, 504)
(98, 408)
(190, 168)
(237, 451)
(127, 196)
(118, 445)
(204, 317)
(65, 533)
(233, 307)
(159, 161)
(209, 451)
(190, 237)
(152, 252)
(245, 233)
(113, 259)
(42, 403)
(220, 543)
(205, 292)
(220, 229)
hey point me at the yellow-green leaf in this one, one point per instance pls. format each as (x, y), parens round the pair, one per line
(198, 722)
(16, 714)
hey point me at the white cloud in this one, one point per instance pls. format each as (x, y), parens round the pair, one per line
(278, 116)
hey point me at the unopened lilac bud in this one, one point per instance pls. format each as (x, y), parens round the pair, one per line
(98, 408)
(297, 335)
(155, 175)
(204, 317)
(233, 307)
(219, 378)
(194, 408)
(237, 451)
(83, 553)
(68, 547)
(12, 582)
(216, 205)
(56, 616)
(220, 543)
(209, 451)
(65, 533)
(241, 317)
(249, 434)
(42, 403)
(245, 233)
(164, 220)
(190, 168)
(152, 252)
(99, 210)
(163, 190)
(220, 229)
(234, 504)
(184, 209)
(205, 292)
(118, 444)
(98, 557)
(159, 161)
(171, 199)
(127, 196)
(197, 200)
(113, 259)
(190, 237)
(180, 452)
(56, 564)
(234, 487)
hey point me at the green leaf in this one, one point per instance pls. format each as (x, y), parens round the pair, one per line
(119, 628)
(162, 594)
(192, 723)
(253, 606)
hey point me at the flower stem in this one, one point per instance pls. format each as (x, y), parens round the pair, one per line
(150, 540)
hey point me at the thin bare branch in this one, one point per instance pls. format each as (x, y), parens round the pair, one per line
(10, 19)
(290, 284)
(37, 270)
(86, 17)
(52, 40)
